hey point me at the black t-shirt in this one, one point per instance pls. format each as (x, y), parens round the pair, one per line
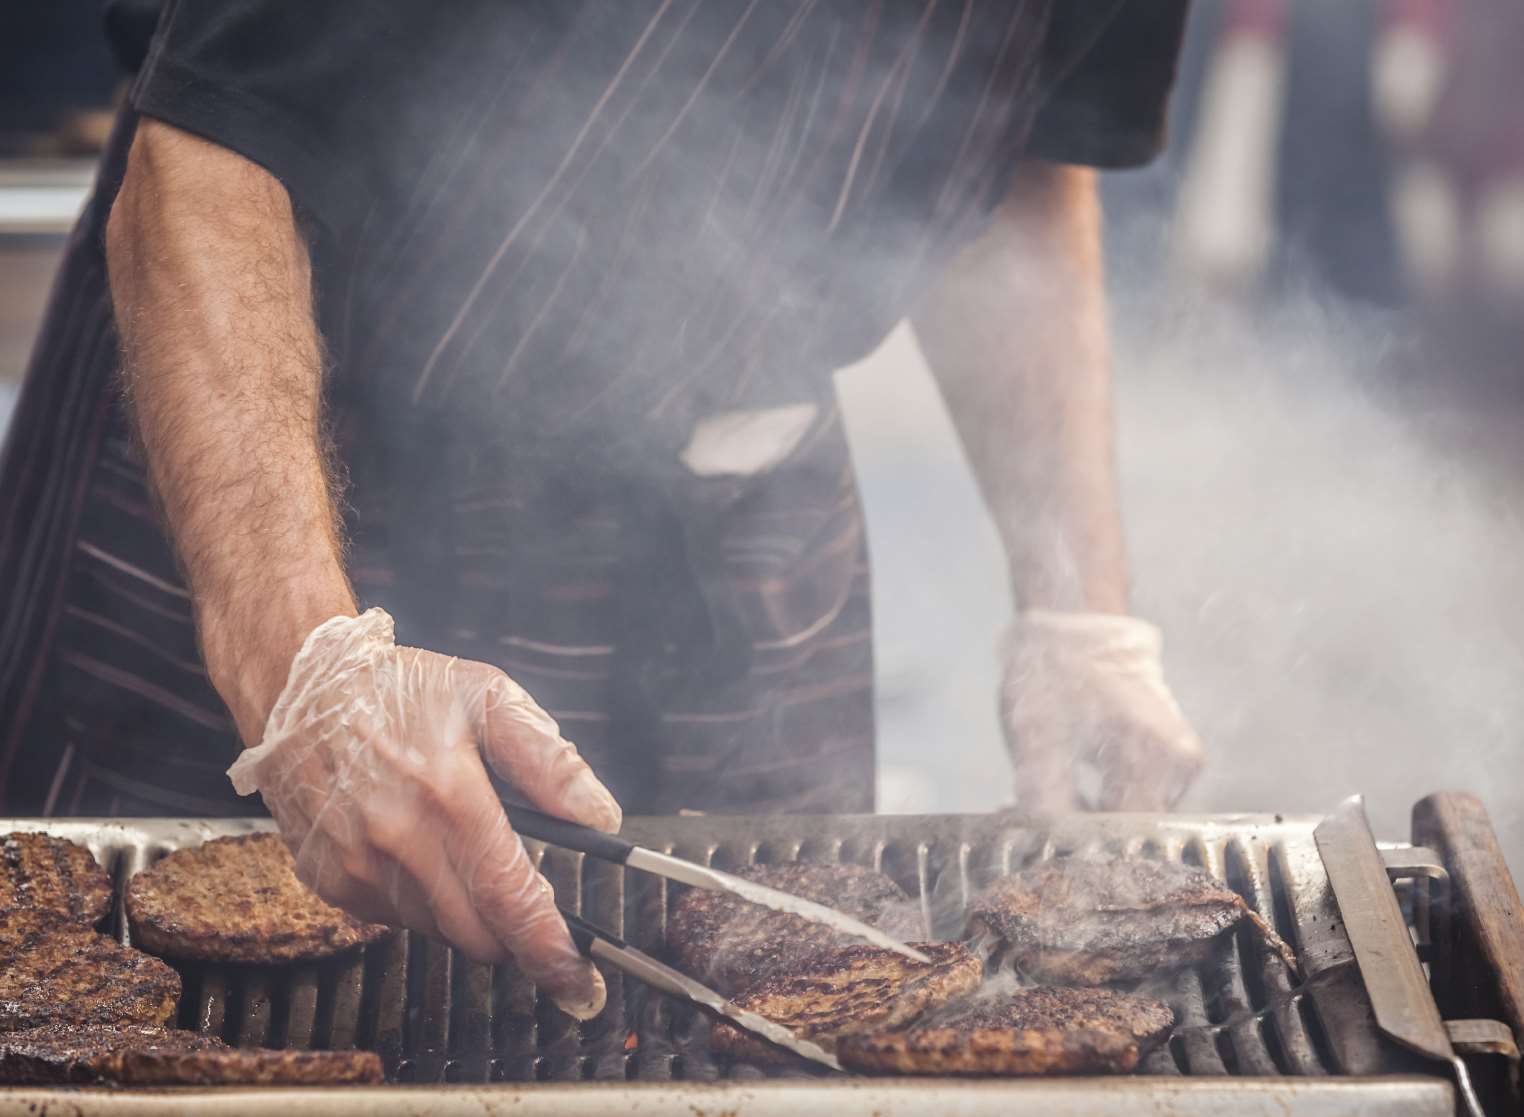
(546, 217)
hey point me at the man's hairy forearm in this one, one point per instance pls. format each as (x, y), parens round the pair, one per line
(1016, 337)
(222, 365)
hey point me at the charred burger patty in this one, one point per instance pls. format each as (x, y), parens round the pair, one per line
(1082, 922)
(59, 972)
(1046, 1030)
(845, 991)
(146, 1055)
(237, 900)
(731, 944)
(39, 872)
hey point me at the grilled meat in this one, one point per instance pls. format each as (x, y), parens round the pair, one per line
(1047, 1030)
(59, 972)
(730, 943)
(846, 991)
(1085, 922)
(249, 1067)
(49, 874)
(66, 1055)
(145, 1055)
(237, 900)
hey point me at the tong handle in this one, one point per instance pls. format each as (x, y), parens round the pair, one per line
(584, 934)
(569, 835)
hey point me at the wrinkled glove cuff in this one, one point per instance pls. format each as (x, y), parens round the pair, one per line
(1112, 632)
(1041, 645)
(339, 645)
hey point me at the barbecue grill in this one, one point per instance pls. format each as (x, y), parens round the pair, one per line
(457, 1037)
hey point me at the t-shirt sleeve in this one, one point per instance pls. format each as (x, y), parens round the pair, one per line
(301, 87)
(1108, 66)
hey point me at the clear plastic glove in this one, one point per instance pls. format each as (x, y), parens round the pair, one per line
(1086, 691)
(371, 763)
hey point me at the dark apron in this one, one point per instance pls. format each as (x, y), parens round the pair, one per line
(705, 643)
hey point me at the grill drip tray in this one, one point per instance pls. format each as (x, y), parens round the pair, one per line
(459, 1037)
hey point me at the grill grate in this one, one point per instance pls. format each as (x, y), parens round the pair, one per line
(434, 1016)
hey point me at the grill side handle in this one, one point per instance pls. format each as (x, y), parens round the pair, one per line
(1488, 923)
(1399, 990)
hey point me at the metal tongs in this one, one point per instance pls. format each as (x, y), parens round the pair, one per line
(605, 946)
(622, 851)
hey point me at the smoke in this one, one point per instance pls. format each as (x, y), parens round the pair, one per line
(1325, 526)
(1335, 570)
(1335, 581)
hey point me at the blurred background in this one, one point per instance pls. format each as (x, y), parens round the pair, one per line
(1318, 323)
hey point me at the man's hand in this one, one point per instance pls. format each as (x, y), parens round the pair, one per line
(1086, 691)
(372, 765)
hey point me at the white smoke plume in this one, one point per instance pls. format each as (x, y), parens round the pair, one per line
(1328, 534)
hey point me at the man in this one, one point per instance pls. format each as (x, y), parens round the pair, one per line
(558, 287)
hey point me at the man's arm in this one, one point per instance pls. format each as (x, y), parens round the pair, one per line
(369, 755)
(223, 368)
(1015, 334)
(1016, 337)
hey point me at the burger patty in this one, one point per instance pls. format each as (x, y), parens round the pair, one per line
(1087, 922)
(43, 873)
(1046, 1030)
(56, 971)
(65, 1054)
(845, 991)
(145, 1055)
(731, 944)
(237, 900)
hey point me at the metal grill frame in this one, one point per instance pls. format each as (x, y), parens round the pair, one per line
(440, 1020)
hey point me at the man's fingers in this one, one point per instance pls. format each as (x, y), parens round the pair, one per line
(1046, 790)
(1190, 758)
(398, 903)
(518, 903)
(364, 883)
(1045, 782)
(524, 746)
(1043, 767)
(1129, 781)
(404, 897)
(1143, 772)
(1126, 793)
(417, 848)
(515, 901)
